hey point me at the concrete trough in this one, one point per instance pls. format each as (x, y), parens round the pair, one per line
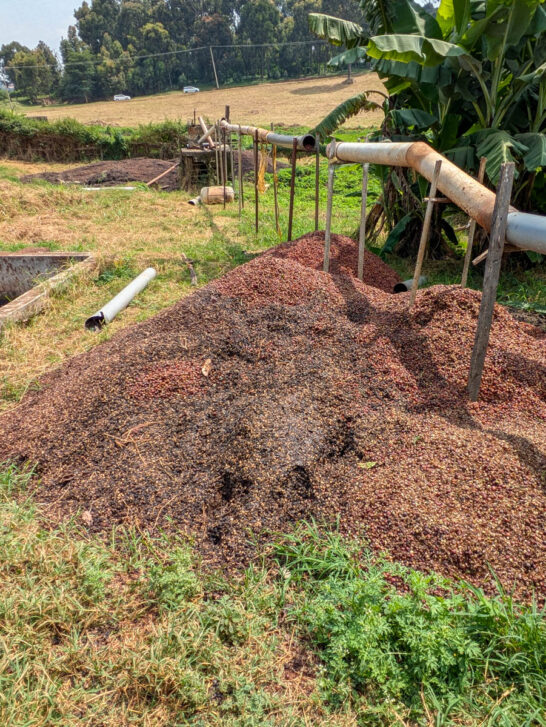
(27, 279)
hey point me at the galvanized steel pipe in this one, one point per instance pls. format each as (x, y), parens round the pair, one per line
(306, 142)
(524, 230)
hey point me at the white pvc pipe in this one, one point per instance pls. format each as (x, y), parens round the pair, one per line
(120, 301)
(405, 285)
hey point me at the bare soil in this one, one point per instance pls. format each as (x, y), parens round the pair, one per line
(280, 392)
(113, 173)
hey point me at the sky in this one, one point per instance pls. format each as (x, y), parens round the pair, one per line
(29, 21)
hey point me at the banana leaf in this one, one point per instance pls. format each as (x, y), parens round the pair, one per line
(535, 156)
(396, 235)
(497, 146)
(344, 111)
(407, 48)
(335, 30)
(416, 118)
(348, 56)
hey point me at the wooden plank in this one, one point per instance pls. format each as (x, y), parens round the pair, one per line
(491, 279)
(472, 230)
(362, 234)
(160, 176)
(425, 232)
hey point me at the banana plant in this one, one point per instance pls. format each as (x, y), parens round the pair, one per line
(471, 80)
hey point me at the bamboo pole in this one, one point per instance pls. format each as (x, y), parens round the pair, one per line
(491, 278)
(327, 233)
(362, 234)
(472, 230)
(425, 231)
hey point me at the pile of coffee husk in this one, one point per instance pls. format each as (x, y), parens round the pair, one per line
(280, 392)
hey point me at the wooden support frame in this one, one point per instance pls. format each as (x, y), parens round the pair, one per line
(328, 230)
(425, 232)
(362, 233)
(472, 230)
(491, 278)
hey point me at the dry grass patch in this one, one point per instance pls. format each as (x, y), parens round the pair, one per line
(126, 232)
(289, 103)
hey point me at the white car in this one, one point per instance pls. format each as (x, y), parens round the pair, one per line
(121, 97)
(191, 89)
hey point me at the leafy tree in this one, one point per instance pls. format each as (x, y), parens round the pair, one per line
(79, 79)
(34, 72)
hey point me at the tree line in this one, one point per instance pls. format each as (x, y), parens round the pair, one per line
(148, 46)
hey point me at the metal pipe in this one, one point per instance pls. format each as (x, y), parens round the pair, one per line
(305, 142)
(108, 312)
(405, 285)
(525, 231)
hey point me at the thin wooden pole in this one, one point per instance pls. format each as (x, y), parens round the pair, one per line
(425, 231)
(292, 186)
(491, 278)
(275, 186)
(327, 233)
(216, 154)
(224, 163)
(472, 230)
(256, 203)
(317, 182)
(214, 67)
(362, 235)
(240, 170)
(231, 160)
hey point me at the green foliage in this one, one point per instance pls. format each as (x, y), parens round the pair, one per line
(175, 582)
(68, 139)
(341, 113)
(128, 629)
(396, 641)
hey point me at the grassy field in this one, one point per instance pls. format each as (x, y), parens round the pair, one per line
(287, 102)
(128, 631)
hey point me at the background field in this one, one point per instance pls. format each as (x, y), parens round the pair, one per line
(290, 102)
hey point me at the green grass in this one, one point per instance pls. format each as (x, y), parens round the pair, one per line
(125, 630)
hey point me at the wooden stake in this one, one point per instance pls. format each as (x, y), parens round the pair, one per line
(224, 163)
(292, 187)
(425, 232)
(472, 230)
(317, 182)
(362, 235)
(491, 278)
(240, 171)
(256, 203)
(214, 67)
(275, 187)
(160, 176)
(217, 157)
(327, 233)
(193, 274)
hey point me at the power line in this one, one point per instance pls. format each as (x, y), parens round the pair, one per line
(133, 59)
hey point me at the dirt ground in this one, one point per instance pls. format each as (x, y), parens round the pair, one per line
(285, 103)
(280, 392)
(125, 171)
(113, 173)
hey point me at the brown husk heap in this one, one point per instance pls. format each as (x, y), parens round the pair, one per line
(324, 397)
